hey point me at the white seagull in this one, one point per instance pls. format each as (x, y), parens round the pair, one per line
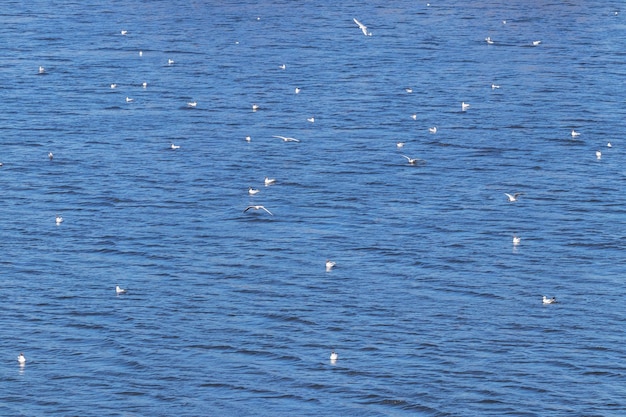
(50, 155)
(252, 191)
(258, 207)
(608, 145)
(283, 66)
(412, 161)
(58, 220)
(575, 133)
(513, 197)
(432, 129)
(170, 61)
(536, 43)
(464, 106)
(248, 138)
(494, 86)
(21, 358)
(297, 90)
(269, 181)
(285, 139)
(516, 240)
(598, 154)
(311, 119)
(119, 290)
(547, 300)
(408, 90)
(113, 85)
(333, 356)
(255, 107)
(192, 104)
(488, 40)
(42, 69)
(330, 264)
(172, 146)
(129, 100)
(124, 32)
(400, 144)
(414, 116)
(144, 84)
(362, 27)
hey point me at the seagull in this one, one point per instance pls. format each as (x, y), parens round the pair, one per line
(283, 66)
(547, 300)
(464, 106)
(172, 146)
(258, 208)
(513, 197)
(59, 220)
(575, 133)
(42, 69)
(297, 90)
(269, 181)
(113, 85)
(412, 161)
(170, 61)
(516, 240)
(50, 155)
(598, 154)
(248, 138)
(489, 41)
(363, 28)
(608, 145)
(129, 100)
(140, 53)
(408, 90)
(330, 264)
(333, 356)
(311, 119)
(21, 358)
(432, 129)
(119, 290)
(124, 32)
(400, 144)
(286, 139)
(494, 86)
(144, 85)
(255, 107)
(414, 116)
(536, 43)
(192, 104)
(252, 191)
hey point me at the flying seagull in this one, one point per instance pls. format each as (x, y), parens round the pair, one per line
(285, 139)
(363, 28)
(258, 208)
(412, 161)
(513, 197)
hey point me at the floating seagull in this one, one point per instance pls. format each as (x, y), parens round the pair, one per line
(172, 146)
(333, 356)
(124, 32)
(608, 145)
(58, 220)
(269, 181)
(119, 290)
(400, 144)
(363, 28)
(504, 22)
(255, 107)
(547, 300)
(598, 154)
(516, 240)
(330, 264)
(535, 43)
(283, 66)
(513, 197)
(248, 138)
(489, 41)
(192, 104)
(575, 133)
(297, 90)
(285, 139)
(129, 100)
(42, 69)
(311, 119)
(50, 155)
(113, 85)
(408, 90)
(21, 358)
(494, 86)
(464, 106)
(412, 161)
(144, 84)
(414, 116)
(432, 129)
(258, 208)
(140, 53)
(252, 191)
(170, 61)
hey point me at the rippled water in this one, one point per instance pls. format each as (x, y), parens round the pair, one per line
(431, 307)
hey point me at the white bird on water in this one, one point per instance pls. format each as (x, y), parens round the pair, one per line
(255, 107)
(258, 207)
(58, 220)
(362, 27)
(113, 85)
(598, 155)
(536, 43)
(414, 116)
(286, 139)
(464, 106)
(42, 70)
(489, 40)
(432, 129)
(516, 240)
(174, 147)
(547, 300)
(119, 290)
(50, 155)
(412, 161)
(400, 144)
(311, 119)
(248, 138)
(252, 191)
(608, 145)
(269, 181)
(513, 197)
(170, 62)
(575, 133)
(283, 66)
(333, 356)
(330, 264)
(144, 84)
(124, 32)
(408, 90)
(21, 358)
(192, 104)
(494, 86)
(297, 90)
(129, 100)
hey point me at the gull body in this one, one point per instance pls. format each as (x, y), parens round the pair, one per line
(362, 27)
(119, 290)
(172, 146)
(536, 43)
(297, 90)
(464, 106)
(58, 220)
(192, 104)
(248, 138)
(113, 85)
(269, 181)
(412, 161)
(21, 358)
(513, 197)
(140, 53)
(408, 90)
(414, 116)
(170, 62)
(144, 84)
(575, 133)
(488, 40)
(129, 100)
(283, 66)
(252, 191)
(598, 154)
(311, 119)
(547, 300)
(494, 86)
(286, 139)
(400, 144)
(334, 356)
(608, 145)
(124, 32)
(330, 264)
(42, 69)
(432, 129)
(516, 240)
(255, 107)
(50, 155)
(258, 207)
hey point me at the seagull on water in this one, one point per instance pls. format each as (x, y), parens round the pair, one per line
(489, 40)
(285, 139)
(333, 356)
(414, 116)
(408, 90)
(58, 220)
(248, 138)
(258, 208)
(536, 43)
(42, 69)
(255, 107)
(547, 300)
(252, 191)
(494, 86)
(400, 144)
(192, 104)
(50, 155)
(598, 154)
(608, 145)
(170, 62)
(412, 161)
(516, 240)
(330, 264)
(283, 66)
(21, 358)
(124, 32)
(362, 27)
(575, 133)
(119, 290)
(269, 181)
(311, 119)
(172, 146)
(464, 106)
(113, 85)
(144, 84)
(513, 197)
(297, 90)
(129, 100)
(432, 129)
